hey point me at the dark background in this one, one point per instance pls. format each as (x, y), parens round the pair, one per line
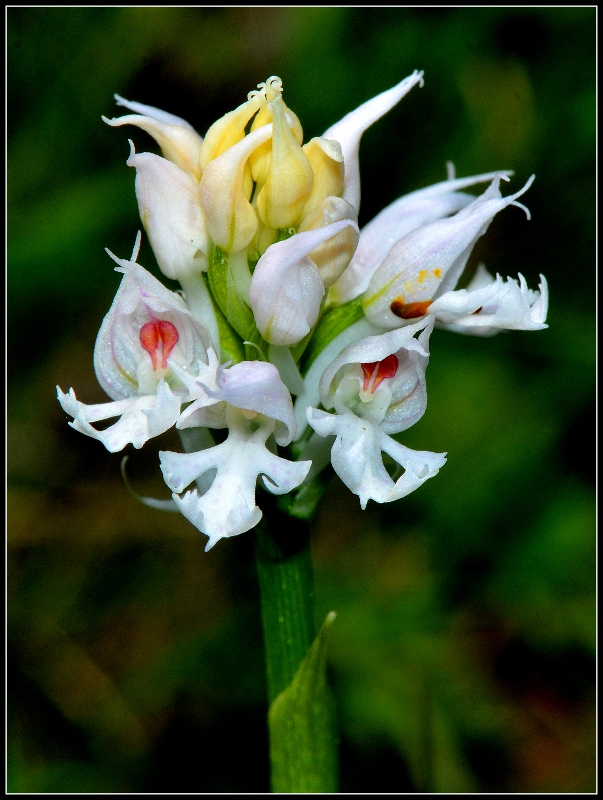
(463, 654)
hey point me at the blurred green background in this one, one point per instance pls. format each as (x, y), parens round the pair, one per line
(463, 655)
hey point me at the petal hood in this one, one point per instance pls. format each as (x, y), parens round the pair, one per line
(170, 210)
(123, 365)
(286, 288)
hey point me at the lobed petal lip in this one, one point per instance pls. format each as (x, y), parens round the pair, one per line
(140, 418)
(356, 457)
(227, 507)
(493, 306)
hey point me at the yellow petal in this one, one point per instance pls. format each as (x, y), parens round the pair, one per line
(289, 180)
(326, 160)
(228, 130)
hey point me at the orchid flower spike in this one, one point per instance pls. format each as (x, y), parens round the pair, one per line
(146, 325)
(261, 231)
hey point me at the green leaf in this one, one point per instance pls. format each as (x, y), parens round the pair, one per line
(330, 326)
(224, 291)
(303, 743)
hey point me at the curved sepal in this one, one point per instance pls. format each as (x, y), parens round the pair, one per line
(179, 141)
(348, 131)
(428, 262)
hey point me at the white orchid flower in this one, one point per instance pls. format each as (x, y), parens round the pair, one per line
(420, 272)
(377, 387)
(249, 399)
(406, 214)
(146, 325)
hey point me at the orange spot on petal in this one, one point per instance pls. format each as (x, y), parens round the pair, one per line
(169, 339)
(409, 310)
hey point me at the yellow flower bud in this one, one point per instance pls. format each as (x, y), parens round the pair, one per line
(224, 191)
(229, 129)
(289, 180)
(332, 256)
(326, 159)
(260, 160)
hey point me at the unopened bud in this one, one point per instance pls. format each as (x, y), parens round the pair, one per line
(333, 256)
(228, 130)
(326, 160)
(231, 219)
(260, 160)
(289, 180)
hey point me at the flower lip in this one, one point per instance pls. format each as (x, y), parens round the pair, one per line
(158, 337)
(377, 371)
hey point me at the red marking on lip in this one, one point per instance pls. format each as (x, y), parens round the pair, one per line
(158, 337)
(378, 371)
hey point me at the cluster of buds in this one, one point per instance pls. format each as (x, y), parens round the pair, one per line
(294, 329)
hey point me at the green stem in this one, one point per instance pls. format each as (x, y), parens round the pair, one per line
(284, 567)
(303, 743)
